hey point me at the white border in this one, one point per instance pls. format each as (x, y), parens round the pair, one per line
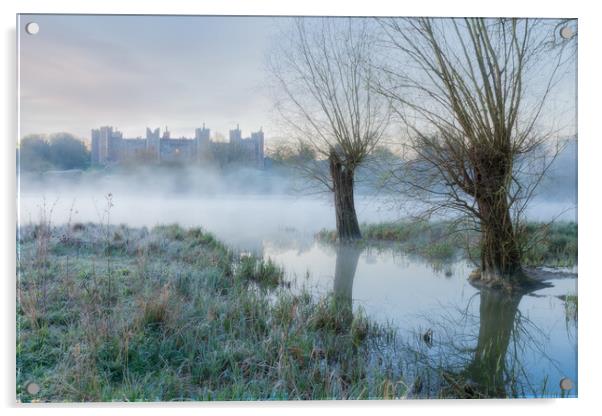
(590, 155)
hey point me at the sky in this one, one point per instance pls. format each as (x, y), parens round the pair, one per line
(84, 71)
(80, 72)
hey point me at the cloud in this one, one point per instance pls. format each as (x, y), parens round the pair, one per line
(83, 71)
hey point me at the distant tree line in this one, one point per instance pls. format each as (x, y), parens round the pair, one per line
(292, 153)
(40, 152)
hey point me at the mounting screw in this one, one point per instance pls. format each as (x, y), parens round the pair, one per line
(566, 383)
(32, 388)
(566, 33)
(32, 28)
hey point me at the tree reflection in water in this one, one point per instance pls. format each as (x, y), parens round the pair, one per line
(479, 356)
(470, 353)
(498, 312)
(344, 273)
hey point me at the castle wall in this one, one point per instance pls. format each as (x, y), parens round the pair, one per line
(178, 150)
(109, 146)
(132, 150)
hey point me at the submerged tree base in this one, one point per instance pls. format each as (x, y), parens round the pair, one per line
(519, 283)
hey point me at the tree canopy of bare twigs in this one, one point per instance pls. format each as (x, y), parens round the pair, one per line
(473, 95)
(322, 77)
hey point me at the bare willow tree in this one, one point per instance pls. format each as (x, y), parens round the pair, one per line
(323, 76)
(473, 94)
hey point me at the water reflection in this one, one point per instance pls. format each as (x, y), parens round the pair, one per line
(497, 312)
(497, 352)
(347, 256)
(488, 343)
(485, 370)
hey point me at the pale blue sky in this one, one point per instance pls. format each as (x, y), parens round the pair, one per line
(83, 71)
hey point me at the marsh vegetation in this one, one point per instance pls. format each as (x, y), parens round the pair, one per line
(114, 313)
(542, 244)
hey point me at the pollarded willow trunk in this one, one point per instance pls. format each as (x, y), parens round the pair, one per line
(348, 228)
(500, 252)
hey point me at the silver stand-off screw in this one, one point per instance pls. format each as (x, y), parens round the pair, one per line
(566, 383)
(566, 33)
(32, 28)
(32, 388)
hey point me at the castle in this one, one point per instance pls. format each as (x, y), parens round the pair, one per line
(110, 147)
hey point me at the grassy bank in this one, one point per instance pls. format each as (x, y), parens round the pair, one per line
(553, 245)
(113, 313)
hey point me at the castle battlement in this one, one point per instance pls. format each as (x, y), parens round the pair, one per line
(110, 147)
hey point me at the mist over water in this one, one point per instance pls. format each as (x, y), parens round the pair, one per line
(242, 207)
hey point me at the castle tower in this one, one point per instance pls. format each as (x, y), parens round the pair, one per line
(95, 146)
(104, 144)
(153, 144)
(166, 134)
(202, 142)
(236, 135)
(115, 144)
(258, 144)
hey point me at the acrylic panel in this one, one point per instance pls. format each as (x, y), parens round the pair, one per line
(296, 208)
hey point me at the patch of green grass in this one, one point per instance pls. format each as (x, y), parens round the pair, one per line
(260, 271)
(570, 307)
(435, 240)
(170, 315)
(552, 245)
